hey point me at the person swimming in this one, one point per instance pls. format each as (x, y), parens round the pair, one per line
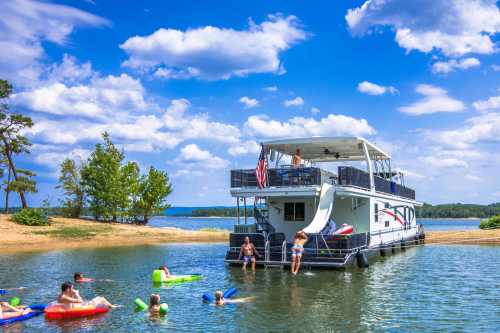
(299, 240)
(79, 278)
(70, 296)
(220, 300)
(8, 311)
(154, 305)
(164, 268)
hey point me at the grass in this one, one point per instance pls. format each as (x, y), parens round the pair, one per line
(75, 232)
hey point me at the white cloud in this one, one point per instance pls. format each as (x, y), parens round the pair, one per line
(332, 125)
(69, 71)
(213, 53)
(445, 67)
(434, 100)
(26, 25)
(315, 110)
(491, 103)
(53, 156)
(243, 148)
(193, 157)
(496, 68)
(270, 88)
(375, 89)
(297, 101)
(249, 103)
(102, 96)
(439, 162)
(455, 27)
(473, 178)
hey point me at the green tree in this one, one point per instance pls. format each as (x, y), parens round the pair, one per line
(14, 143)
(153, 190)
(129, 188)
(70, 182)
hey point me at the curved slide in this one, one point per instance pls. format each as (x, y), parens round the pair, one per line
(324, 210)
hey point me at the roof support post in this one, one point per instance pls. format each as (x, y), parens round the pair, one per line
(370, 167)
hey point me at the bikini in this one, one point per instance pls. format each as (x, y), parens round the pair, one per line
(297, 250)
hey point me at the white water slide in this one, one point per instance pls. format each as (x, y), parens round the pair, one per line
(324, 210)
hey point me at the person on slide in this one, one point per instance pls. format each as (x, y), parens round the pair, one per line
(70, 296)
(8, 311)
(299, 240)
(248, 251)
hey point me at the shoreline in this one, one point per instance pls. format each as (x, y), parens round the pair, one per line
(66, 233)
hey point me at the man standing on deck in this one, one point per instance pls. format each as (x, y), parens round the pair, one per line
(248, 251)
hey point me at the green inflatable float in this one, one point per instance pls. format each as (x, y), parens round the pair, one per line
(159, 277)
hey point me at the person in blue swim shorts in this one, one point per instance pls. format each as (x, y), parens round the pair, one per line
(248, 251)
(299, 240)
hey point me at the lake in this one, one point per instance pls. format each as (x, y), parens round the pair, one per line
(424, 289)
(228, 223)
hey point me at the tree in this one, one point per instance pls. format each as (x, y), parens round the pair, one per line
(70, 181)
(14, 143)
(102, 180)
(152, 192)
(129, 187)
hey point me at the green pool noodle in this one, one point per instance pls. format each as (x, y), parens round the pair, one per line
(14, 301)
(163, 308)
(140, 305)
(157, 276)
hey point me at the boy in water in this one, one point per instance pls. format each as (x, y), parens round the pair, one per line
(248, 251)
(220, 300)
(79, 278)
(154, 305)
(299, 240)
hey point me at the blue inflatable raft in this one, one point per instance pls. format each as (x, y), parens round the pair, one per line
(37, 310)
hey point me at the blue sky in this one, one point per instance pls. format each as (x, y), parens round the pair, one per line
(192, 87)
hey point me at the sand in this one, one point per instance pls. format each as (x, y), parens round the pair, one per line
(19, 238)
(467, 237)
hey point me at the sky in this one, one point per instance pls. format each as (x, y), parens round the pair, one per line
(193, 87)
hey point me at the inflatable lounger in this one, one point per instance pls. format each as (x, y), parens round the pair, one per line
(37, 310)
(159, 277)
(61, 311)
(227, 294)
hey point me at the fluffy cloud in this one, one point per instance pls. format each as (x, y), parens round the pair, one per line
(315, 110)
(213, 53)
(297, 101)
(101, 97)
(332, 125)
(445, 67)
(434, 100)
(455, 27)
(491, 103)
(193, 157)
(270, 88)
(375, 89)
(25, 25)
(69, 71)
(243, 148)
(496, 68)
(437, 162)
(249, 103)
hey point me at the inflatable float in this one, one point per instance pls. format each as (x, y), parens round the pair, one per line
(344, 230)
(63, 311)
(159, 277)
(141, 306)
(37, 310)
(227, 294)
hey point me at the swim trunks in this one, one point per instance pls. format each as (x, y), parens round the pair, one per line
(247, 259)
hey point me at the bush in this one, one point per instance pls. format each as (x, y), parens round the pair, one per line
(31, 217)
(491, 223)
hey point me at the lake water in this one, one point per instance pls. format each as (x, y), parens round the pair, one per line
(228, 223)
(424, 289)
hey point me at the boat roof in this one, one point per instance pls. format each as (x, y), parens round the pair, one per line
(327, 149)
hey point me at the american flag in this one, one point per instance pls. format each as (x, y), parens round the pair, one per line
(261, 169)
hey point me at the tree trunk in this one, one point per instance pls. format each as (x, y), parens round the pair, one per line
(7, 192)
(13, 168)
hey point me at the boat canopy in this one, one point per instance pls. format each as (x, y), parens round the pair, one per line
(327, 149)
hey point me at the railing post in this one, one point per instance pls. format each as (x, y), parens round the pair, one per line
(370, 167)
(238, 209)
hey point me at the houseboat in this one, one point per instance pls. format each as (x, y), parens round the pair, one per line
(348, 213)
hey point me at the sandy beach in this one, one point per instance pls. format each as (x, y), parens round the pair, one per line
(466, 237)
(64, 233)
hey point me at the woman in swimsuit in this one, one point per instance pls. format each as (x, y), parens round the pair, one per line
(299, 240)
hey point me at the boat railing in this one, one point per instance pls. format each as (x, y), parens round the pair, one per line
(283, 177)
(350, 176)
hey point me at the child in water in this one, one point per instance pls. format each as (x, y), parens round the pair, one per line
(220, 300)
(154, 305)
(79, 278)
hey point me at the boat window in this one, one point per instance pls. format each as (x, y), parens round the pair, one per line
(376, 212)
(386, 205)
(295, 211)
